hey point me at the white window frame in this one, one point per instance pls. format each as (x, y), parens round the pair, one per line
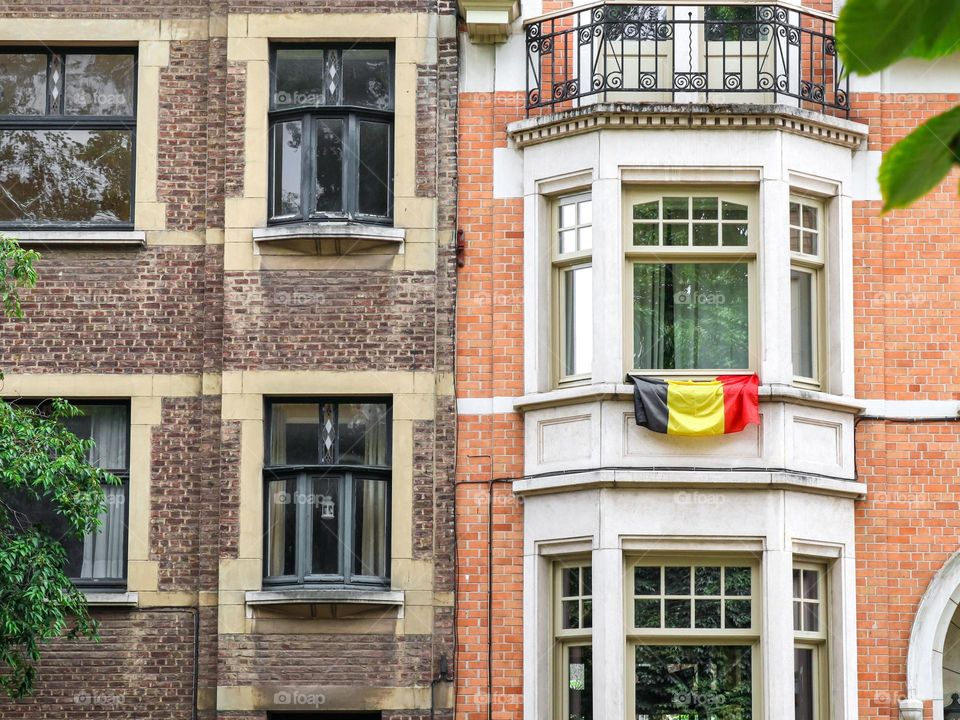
(818, 641)
(564, 263)
(747, 637)
(666, 254)
(814, 265)
(563, 639)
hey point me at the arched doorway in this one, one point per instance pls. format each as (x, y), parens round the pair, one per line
(933, 657)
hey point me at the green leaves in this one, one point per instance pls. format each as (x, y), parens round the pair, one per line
(872, 34)
(41, 461)
(918, 163)
(16, 273)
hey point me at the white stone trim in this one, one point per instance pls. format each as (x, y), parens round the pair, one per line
(103, 598)
(485, 406)
(911, 409)
(77, 237)
(325, 596)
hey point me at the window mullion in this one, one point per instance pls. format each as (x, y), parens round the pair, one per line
(307, 168)
(351, 166)
(304, 558)
(346, 526)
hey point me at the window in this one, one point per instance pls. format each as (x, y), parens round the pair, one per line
(67, 123)
(327, 492)
(572, 246)
(693, 639)
(331, 133)
(810, 638)
(99, 559)
(573, 635)
(690, 261)
(806, 280)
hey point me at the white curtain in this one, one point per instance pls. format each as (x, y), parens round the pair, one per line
(375, 451)
(103, 551)
(373, 546)
(277, 529)
(108, 429)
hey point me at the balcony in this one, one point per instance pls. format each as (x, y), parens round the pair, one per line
(615, 52)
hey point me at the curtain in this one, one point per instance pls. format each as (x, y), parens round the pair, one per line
(276, 541)
(375, 451)
(103, 551)
(373, 518)
(279, 417)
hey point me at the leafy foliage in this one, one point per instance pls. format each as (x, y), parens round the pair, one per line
(873, 34)
(41, 461)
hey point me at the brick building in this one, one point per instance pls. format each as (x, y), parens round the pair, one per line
(246, 217)
(679, 191)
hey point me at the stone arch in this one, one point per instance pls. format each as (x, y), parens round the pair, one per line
(927, 637)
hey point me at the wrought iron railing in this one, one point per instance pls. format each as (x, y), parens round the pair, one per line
(747, 53)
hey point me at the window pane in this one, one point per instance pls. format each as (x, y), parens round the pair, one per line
(374, 190)
(811, 617)
(810, 217)
(737, 614)
(580, 682)
(705, 208)
(794, 240)
(646, 613)
(677, 613)
(362, 429)
(568, 241)
(107, 426)
(676, 234)
(646, 580)
(734, 211)
(677, 580)
(570, 582)
(801, 322)
(300, 77)
(585, 238)
(329, 165)
(675, 208)
(647, 211)
(803, 683)
(809, 245)
(691, 316)
(571, 614)
(99, 84)
(692, 682)
(294, 433)
(568, 215)
(708, 614)
(795, 214)
(103, 550)
(578, 320)
(587, 581)
(287, 158)
(646, 234)
(811, 584)
(370, 528)
(65, 175)
(705, 234)
(737, 581)
(734, 234)
(23, 84)
(366, 78)
(587, 613)
(707, 580)
(282, 527)
(585, 211)
(325, 509)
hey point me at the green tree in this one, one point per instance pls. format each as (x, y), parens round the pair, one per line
(873, 34)
(41, 464)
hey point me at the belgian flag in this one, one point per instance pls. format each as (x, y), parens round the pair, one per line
(725, 404)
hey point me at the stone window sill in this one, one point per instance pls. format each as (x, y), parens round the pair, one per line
(623, 391)
(329, 238)
(339, 602)
(106, 598)
(79, 237)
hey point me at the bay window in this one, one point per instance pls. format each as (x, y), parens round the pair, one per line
(67, 123)
(690, 264)
(573, 621)
(693, 638)
(806, 281)
(331, 133)
(810, 640)
(572, 247)
(327, 492)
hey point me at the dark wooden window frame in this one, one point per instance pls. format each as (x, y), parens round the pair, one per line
(351, 115)
(55, 119)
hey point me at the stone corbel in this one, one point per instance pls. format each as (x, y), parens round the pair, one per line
(488, 21)
(911, 709)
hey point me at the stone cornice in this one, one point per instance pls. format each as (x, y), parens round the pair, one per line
(673, 116)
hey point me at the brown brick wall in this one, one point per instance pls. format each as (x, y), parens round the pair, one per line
(173, 310)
